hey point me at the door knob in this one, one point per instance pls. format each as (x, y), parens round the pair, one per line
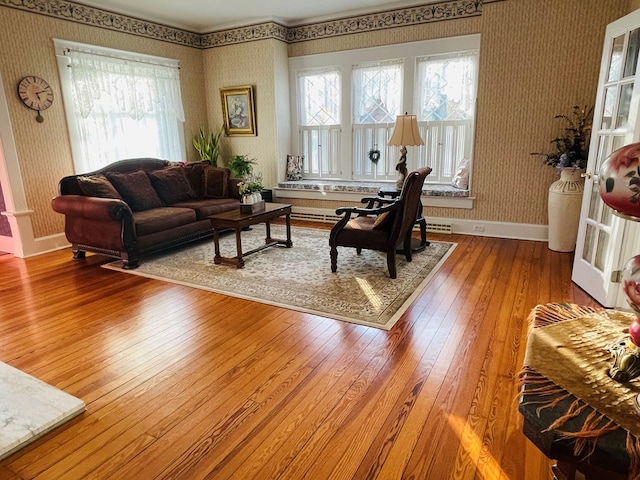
(587, 175)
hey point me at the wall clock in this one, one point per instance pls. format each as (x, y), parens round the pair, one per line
(36, 94)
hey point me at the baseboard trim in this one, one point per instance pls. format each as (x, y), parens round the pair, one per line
(6, 244)
(46, 244)
(482, 228)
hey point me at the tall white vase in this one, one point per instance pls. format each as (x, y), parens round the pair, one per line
(565, 200)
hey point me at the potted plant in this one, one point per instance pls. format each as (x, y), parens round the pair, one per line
(241, 166)
(565, 195)
(208, 145)
(250, 189)
(572, 146)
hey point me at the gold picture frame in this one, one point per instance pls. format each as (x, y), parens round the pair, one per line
(238, 110)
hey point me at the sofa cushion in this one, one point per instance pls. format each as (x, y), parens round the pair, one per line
(215, 182)
(210, 206)
(160, 219)
(97, 186)
(195, 174)
(135, 189)
(171, 185)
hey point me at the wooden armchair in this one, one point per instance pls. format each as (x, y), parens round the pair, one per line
(385, 224)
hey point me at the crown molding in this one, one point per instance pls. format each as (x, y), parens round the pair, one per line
(75, 12)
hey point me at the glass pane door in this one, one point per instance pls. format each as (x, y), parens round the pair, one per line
(601, 234)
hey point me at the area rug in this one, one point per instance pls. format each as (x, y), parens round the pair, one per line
(300, 278)
(29, 408)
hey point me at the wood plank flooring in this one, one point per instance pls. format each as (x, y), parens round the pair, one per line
(185, 384)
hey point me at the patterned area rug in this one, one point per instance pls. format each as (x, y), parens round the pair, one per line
(29, 408)
(300, 278)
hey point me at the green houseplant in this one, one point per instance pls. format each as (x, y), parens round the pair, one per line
(241, 166)
(208, 145)
(572, 146)
(251, 184)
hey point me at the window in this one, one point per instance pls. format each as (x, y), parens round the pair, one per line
(445, 107)
(120, 105)
(435, 80)
(320, 121)
(377, 100)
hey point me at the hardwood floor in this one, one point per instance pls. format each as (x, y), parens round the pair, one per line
(185, 384)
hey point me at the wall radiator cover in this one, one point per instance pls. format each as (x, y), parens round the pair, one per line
(443, 227)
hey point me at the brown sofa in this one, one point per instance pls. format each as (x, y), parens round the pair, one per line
(137, 207)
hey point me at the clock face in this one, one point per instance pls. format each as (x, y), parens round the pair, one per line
(35, 93)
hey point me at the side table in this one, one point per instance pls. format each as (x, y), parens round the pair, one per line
(416, 245)
(573, 411)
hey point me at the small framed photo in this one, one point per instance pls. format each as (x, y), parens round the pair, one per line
(238, 110)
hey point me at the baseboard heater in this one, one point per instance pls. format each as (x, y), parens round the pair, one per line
(443, 227)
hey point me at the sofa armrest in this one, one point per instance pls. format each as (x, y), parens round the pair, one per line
(91, 207)
(104, 224)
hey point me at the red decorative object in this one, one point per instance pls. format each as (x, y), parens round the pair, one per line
(631, 286)
(620, 190)
(620, 181)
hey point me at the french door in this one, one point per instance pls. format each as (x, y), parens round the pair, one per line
(605, 241)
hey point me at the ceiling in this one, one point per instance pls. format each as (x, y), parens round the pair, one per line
(203, 16)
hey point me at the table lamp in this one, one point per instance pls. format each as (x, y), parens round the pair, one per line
(620, 190)
(405, 133)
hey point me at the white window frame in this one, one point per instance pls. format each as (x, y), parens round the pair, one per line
(345, 60)
(65, 79)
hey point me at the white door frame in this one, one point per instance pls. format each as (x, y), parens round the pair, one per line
(17, 212)
(601, 284)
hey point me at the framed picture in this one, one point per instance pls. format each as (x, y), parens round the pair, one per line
(238, 110)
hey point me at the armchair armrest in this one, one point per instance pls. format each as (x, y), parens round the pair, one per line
(365, 211)
(379, 201)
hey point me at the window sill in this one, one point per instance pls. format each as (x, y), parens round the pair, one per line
(432, 195)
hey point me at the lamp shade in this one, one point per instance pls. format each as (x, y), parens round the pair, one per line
(620, 181)
(406, 132)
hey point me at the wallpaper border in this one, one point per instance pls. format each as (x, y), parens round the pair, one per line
(97, 17)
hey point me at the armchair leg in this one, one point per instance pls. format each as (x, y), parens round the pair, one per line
(391, 263)
(334, 259)
(407, 248)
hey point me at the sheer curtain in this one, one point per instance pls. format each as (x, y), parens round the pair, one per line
(121, 107)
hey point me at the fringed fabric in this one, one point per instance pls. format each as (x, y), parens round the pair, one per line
(550, 313)
(633, 448)
(594, 426)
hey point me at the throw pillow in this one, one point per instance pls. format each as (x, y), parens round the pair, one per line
(382, 220)
(97, 186)
(171, 185)
(461, 178)
(195, 174)
(294, 167)
(135, 189)
(216, 181)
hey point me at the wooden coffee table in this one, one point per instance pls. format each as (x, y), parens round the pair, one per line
(238, 221)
